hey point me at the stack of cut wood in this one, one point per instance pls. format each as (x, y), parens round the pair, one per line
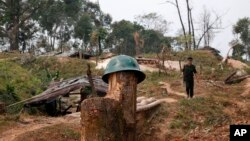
(236, 77)
(65, 87)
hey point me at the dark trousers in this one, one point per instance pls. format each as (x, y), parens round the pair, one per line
(190, 87)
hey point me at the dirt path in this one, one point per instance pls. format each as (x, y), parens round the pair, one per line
(34, 124)
(167, 86)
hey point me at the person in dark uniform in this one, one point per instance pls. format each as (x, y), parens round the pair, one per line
(189, 71)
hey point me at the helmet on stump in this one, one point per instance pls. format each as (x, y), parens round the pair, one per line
(123, 63)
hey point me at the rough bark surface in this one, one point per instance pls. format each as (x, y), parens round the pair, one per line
(101, 120)
(122, 87)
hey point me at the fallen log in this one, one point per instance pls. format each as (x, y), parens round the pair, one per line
(236, 80)
(148, 106)
(236, 77)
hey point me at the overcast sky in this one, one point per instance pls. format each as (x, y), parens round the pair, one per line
(232, 9)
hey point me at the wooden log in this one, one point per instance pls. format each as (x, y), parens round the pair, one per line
(149, 106)
(122, 87)
(101, 120)
(93, 90)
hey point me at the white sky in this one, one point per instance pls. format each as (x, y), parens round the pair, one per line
(233, 10)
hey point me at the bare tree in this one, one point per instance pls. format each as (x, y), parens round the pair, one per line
(192, 26)
(208, 27)
(176, 4)
(189, 24)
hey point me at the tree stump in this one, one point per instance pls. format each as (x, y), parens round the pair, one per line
(101, 120)
(122, 87)
(112, 118)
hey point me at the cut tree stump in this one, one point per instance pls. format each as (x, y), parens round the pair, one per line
(101, 120)
(122, 87)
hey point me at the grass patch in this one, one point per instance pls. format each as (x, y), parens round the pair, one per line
(45, 67)
(199, 112)
(16, 84)
(150, 86)
(9, 55)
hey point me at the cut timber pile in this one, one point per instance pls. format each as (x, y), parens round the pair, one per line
(148, 61)
(236, 77)
(65, 87)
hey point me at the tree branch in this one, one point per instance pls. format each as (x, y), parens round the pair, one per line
(4, 3)
(3, 31)
(170, 2)
(211, 26)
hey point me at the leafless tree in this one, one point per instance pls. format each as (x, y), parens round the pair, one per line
(176, 4)
(208, 26)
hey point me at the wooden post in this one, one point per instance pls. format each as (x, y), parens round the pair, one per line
(101, 120)
(122, 87)
(93, 90)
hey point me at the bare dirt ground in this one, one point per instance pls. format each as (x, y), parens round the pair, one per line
(36, 123)
(247, 88)
(237, 64)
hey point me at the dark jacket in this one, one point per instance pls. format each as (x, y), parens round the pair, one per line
(188, 72)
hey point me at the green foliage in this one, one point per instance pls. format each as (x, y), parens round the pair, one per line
(153, 21)
(52, 67)
(16, 15)
(153, 40)
(16, 82)
(238, 52)
(242, 28)
(84, 28)
(122, 37)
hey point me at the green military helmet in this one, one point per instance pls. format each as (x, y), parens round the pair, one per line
(123, 63)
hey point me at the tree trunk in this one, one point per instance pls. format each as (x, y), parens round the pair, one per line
(189, 25)
(101, 120)
(13, 35)
(100, 45)
(193, 33)
(13, 40)
(122, 87)
(182, 24)
(91, 82)
(13, 30)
